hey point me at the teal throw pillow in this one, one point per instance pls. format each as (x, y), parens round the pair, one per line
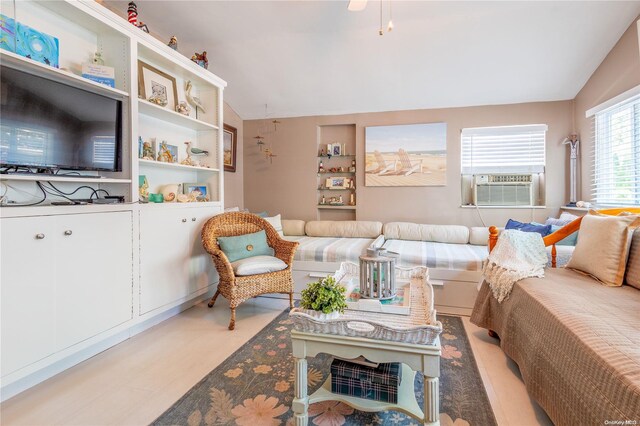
(244, 246)
(571, 240)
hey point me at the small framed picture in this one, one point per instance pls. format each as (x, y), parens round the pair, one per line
(196, 191)
(336, 149)
(156, 86)
(336, 182)
(230, 144)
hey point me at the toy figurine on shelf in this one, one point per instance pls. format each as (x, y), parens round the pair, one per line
(183, 108)
(173, 43)
(322, 152)
(147, 151)
(132, 14)
(340, 200)
(143, 189)
(97, 58)
(188, 161)
(201, 59)
(164, 155)
(352, 199)
(321, 167)
(323, 200)
(352, 169)
(193, 100)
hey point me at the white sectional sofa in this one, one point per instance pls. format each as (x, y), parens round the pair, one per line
(454, 254)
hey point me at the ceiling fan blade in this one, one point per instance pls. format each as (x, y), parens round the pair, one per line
(357, 5)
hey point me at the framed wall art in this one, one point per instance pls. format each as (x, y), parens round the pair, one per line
(230, 145)
(157, 86)
(406, 155)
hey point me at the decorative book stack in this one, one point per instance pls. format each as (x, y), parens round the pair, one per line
(378, 383)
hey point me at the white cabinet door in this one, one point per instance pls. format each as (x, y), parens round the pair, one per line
(94, 254)
(202, 272)
(27, 291)
(164, 256)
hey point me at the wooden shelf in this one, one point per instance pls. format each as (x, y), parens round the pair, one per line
(165, 114)
(60, 178)
(329, 206)
(176, 166)
(175, 205)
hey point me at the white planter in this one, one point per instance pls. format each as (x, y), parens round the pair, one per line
(321, 315)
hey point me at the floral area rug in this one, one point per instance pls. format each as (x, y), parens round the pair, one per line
(254, 387)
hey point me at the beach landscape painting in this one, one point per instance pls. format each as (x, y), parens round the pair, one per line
(406, 155)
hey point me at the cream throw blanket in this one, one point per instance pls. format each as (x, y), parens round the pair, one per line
(517, 255)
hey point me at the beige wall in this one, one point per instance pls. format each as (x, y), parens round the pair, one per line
(234, 182)
(287, 186)
(619, 72)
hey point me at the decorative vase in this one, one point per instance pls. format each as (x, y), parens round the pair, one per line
(321, 315)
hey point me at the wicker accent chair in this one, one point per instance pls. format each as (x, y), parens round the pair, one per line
(237, 289)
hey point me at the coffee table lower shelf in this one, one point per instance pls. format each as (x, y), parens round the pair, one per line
(407, 402)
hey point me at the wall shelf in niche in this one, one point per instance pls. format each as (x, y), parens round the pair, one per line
(329, 206)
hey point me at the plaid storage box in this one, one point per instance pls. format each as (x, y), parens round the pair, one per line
(378, 384)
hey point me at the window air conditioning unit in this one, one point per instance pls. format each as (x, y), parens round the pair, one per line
(503, 190)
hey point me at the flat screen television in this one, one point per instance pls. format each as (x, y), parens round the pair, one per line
(47, 125)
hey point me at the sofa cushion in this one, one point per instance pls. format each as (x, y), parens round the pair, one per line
(243, 246)
(257, 265)
(276, 222)
(479, 235)
(633, 264)
(343, 228)
(454, 234)
(465, 257)
(293, 227)
(603, 247)
(325, 249)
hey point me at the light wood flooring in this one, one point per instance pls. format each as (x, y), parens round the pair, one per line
(137, 380)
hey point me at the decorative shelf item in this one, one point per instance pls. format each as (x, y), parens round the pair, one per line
(336, 156)
(167, 115)
(160, 164)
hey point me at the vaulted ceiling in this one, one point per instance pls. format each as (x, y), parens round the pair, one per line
(316, 58)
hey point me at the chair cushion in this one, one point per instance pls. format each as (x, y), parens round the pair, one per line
(247, 245)
(257, 265)
(276, 222)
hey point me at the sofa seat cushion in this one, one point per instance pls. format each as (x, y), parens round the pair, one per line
(454, 234)
(575, 342)
(325, 249)
(257, 265)
(464, 257)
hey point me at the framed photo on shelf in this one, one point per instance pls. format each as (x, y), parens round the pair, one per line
(199, 191)
(336, 149)
(336, 182)
(230, 145)
(157, 86)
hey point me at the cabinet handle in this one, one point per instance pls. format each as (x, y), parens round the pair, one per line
(39, 236)
(184, 220)
(193, 219)
(68, 232)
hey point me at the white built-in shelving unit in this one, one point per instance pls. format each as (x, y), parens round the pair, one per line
(105, 272)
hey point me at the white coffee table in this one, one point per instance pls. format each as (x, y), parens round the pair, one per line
(425, 359)
(414, 358)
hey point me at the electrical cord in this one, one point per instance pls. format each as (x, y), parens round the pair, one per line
(44, 193)
(94, 191)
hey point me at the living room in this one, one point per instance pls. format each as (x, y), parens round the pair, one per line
(352, 134)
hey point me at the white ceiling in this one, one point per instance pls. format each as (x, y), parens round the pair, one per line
(316, 58)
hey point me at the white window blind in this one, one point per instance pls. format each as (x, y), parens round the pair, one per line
(616, 156)
(508, 149)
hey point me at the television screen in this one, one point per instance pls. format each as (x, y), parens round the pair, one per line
(49, 125)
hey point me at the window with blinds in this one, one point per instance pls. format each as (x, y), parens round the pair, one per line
(616, 156)
(508, 149)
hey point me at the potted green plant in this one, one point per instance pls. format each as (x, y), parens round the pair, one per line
(324, 299)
